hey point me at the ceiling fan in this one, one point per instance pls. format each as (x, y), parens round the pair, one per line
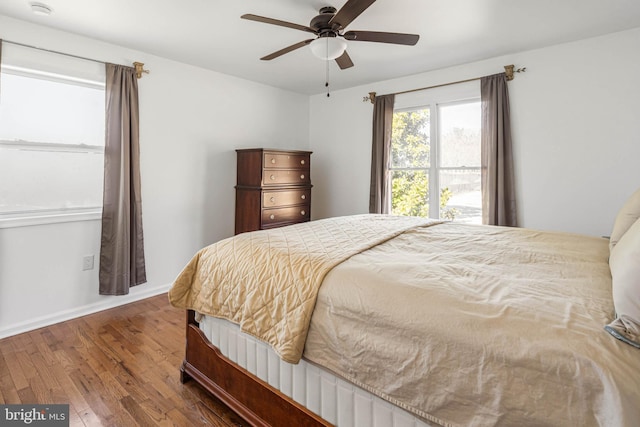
(329, 28)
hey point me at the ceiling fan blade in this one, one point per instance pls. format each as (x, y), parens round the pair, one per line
(381, 37)
(344, 61)
(350, 11)
(286, 50)
(272, 21)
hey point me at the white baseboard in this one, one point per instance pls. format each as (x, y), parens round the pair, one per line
(135, 294)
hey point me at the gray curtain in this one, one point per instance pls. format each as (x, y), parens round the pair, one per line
(122, 247)
(498, 185)
(380, 191)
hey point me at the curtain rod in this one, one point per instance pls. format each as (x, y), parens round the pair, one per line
(508, 70)
(139, 66)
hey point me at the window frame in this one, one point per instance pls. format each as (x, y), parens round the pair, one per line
(53, 215)
(457, 94)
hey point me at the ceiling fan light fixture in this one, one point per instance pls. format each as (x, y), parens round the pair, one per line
(328, 48)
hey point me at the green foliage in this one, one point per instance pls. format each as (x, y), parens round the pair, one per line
(410, 193)
(410, 139)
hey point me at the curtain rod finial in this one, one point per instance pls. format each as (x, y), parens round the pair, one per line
(508, 71)
(140, 69)
(371, 97)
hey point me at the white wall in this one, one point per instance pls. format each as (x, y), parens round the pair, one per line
(576, 131)
(192, 120)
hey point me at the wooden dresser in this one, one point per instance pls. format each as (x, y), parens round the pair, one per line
(273, 188)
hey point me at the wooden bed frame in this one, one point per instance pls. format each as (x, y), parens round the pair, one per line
(257, 402)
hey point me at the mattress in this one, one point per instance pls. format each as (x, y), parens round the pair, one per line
(334, 399)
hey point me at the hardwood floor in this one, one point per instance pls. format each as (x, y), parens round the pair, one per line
(119, 367)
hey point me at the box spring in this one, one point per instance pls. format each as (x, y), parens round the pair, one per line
(334, 399)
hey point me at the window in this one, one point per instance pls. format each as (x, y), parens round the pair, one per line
(51, 139)
(435, 156)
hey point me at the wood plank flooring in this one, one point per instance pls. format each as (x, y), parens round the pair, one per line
(118, 367)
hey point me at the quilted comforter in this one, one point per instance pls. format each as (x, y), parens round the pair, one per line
(268, 281)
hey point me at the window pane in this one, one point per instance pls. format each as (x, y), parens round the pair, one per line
(35, 180)
(51, 145)
(459, 134)
(459, 139)
(37, 110)
(460, 196)
(410, 193)
(410, 139)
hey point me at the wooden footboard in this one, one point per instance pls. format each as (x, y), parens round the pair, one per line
(253, 399)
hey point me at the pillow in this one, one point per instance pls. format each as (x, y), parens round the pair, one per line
(629, 213)
(624, 263)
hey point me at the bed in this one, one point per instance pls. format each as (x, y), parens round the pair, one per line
(446, 324)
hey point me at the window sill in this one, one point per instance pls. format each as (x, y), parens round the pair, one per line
(28, 220)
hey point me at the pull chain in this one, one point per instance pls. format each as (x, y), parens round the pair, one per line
(326, 84)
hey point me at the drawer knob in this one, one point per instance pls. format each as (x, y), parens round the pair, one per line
(304, 196)
(302, 162)
(272, 177)
(272, 216)
(272, 199)
(273, 160)
(301, 176)
(303, 213)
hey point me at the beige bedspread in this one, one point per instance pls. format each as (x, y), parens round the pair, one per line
(267, 281)
(481, 326)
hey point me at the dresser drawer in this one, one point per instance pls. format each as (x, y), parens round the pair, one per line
(286, 161)
(272, 199)
(286, 177)
(281, 215)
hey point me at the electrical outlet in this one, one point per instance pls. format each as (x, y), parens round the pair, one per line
(87, 262)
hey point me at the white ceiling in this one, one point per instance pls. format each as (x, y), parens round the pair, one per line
(210, 33)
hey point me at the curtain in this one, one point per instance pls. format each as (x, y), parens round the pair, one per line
(498, 184)
(122, 246)
(380, 191)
